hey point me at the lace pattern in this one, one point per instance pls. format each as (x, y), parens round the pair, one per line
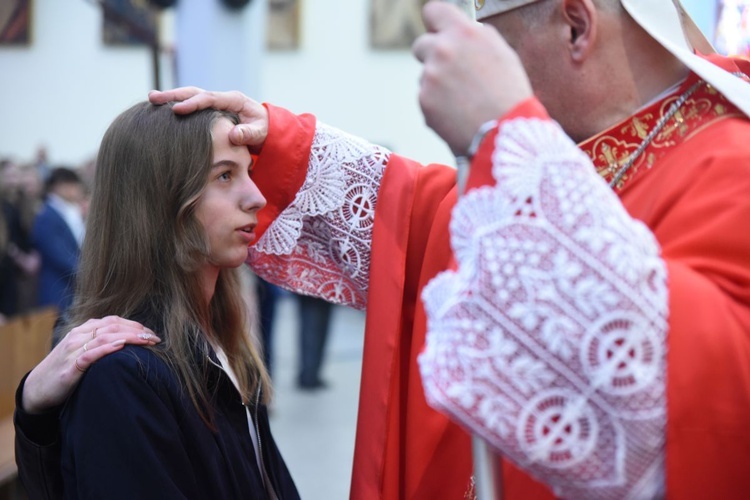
(320, 244)
(549, 341)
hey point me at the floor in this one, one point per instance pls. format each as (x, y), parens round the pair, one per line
(315, 430)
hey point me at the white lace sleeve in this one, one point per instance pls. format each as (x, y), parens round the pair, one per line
(549, 341)
(320, 244)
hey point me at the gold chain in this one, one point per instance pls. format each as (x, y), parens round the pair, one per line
(654, 132)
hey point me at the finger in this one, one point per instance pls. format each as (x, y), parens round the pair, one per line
(94, 354)
(225, 101)
(135, 338)
(439, 15)
(131, 332)
(249, 134)
(95, 349)
(178, 94)
(108, 324)
(97, 332)
(128, 335)
(422, 46)
(81, 368)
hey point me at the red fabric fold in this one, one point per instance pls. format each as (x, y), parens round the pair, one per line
(282, 164)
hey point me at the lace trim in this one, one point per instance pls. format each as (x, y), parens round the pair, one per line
(549, 341)
(320, 244)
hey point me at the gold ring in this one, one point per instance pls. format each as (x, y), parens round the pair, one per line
(85, 346)
(93, 334)
(79, 366)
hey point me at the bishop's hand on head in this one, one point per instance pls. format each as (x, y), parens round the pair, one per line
(253, 127)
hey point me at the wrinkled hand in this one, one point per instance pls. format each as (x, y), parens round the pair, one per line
(253, 127)
(470, 75)
(51, 382)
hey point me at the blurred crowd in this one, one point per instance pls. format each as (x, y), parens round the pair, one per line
(41, 229)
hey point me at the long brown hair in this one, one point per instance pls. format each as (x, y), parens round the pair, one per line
(144, 245)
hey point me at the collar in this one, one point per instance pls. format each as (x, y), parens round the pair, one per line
(612, 148)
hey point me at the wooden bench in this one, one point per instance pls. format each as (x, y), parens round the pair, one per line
(8, 468)
(24, 342)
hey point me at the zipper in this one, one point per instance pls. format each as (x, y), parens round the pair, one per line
(260, 444)
(265, 478)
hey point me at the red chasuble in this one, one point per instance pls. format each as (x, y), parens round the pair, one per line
(691, 186)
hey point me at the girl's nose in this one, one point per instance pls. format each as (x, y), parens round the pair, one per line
(252, 199)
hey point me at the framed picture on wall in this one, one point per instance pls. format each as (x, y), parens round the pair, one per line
(733, 28)
(282, 30)
(15, 22)
(128, 22)
(395, 24)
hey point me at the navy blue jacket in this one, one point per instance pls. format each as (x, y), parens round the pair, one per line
(131, 431)
(59, 252)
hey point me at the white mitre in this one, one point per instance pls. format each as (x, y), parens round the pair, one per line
(669, 24)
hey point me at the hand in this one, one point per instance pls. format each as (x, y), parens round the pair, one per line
(470, 75)
(50, 383)
(29, 263)
(253, 127)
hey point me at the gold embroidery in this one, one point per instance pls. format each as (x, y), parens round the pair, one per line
(641, 128)
(610, 150)
(611, 154)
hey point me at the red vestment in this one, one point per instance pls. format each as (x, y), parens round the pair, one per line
(691, 187)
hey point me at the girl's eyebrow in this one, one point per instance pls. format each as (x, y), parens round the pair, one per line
(224, 163)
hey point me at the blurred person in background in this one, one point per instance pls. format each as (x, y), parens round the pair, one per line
(267, 297)
(57, 235)
(8, 281)
(314, 324)
(9, 235)
(42, 164)
(29, 203)
(19, 262)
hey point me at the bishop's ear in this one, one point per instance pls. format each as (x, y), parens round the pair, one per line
(582, 19)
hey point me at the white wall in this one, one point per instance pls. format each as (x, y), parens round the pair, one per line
(220, 48)
(338, 78)
(65, 88)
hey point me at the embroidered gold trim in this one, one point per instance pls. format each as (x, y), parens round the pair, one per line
(611, 150)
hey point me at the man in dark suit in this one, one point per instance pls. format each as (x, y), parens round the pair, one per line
(57, 235)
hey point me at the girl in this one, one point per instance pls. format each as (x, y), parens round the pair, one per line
(172, 214)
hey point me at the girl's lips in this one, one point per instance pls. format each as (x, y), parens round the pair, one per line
(247, 233)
